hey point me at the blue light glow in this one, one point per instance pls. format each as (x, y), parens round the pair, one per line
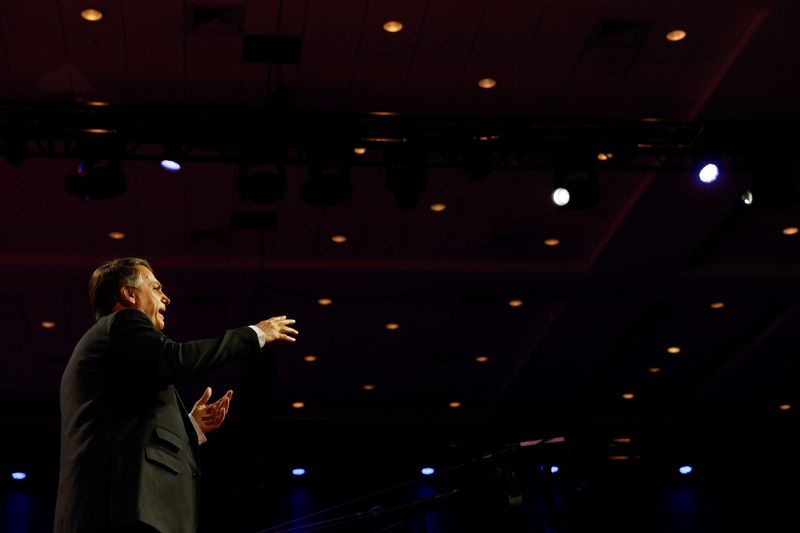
(685, 470)
(170, 165)
(427, 471)
(19, 476)
(299, 471)
(554, 469)
(709, 173)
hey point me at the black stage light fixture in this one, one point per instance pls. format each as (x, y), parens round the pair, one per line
(97, 180)
(327, 185)
(15, 151)
(261, 184)
(477, 159)
(406, 174)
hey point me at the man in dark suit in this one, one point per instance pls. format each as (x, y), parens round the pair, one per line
(129, 451)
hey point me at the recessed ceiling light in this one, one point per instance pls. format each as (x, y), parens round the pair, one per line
(515, 303)
(622, 440)
(48, 324)
(324, 301)
(455, 405)
(392, 26)
(487, 83)
(618, 457)
(359, 150)
(791, 230)
(116, 235)
(97, 103)
(298, 405)
(438, 208)
(392, 326)
(785, 407)
(98, 130)
(92, 15)
(310, 358)
(654, 370)
(628, 396)
(676, 35)
(368, 386)
(717, 305)
(551, 242)
(674, 349)
(339, 239)
(604, 156)
(482, 358)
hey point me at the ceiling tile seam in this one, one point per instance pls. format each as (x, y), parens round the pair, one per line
(512, 83)
(356, 54)
(66, 47)
(404, 84)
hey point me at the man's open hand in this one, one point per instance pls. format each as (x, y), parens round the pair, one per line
(210, 416)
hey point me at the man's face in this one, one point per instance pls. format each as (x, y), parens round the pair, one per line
(149, 297)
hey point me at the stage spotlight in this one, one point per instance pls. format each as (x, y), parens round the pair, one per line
(709, 173)
(685, 470)
(96, 180)
(576, 190)
(427, 471)
(18, 476)
(16, 151)
(560, 196)
(406, 175)
(326, 185)
(171, 161)
(261, 184)
(477, 160)
(554, 469)
(298, 472)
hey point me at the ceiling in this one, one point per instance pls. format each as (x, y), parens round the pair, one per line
(631, 276)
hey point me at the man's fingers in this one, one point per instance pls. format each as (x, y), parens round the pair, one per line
(292, 331)
(204, 398)
(288, 338)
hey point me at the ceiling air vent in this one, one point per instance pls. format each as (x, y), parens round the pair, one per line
(214, 19)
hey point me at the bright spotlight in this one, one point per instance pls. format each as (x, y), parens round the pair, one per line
(685, 470)
(561, 196)
(427, 471)
(709, 173)
(747, 198)
(19, 476)
(554, 469)
(170, 165)
(298, 471)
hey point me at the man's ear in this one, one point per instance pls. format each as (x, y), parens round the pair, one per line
(126, 296)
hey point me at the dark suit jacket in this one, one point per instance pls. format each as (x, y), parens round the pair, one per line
(128, 450)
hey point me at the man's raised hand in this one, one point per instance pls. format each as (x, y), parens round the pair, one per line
(277, 329)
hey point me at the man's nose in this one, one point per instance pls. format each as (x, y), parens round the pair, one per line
(165, 299)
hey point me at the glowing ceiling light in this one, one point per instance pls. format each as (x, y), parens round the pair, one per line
(368, 386)
(310, 358)
(170, 165)
(515, 303)
(48, 324)
(785, 407)
(393, 26)
(685, 470)
(427, 471)
(654, 370)
(674, 349)
(324, 301)
(487, 83)
(709, 173)
(676, 35)
(554, 469)
(717, 305)
(438, 208)
(455, 405)
(359, 150)
(298, 405)
(482, 358)
(391, 326)
(116, 235)
(628, 396)
(791, 230)
(338, 239)
(551, 242)
(91, 15)
(298, 471)
(18, 476)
